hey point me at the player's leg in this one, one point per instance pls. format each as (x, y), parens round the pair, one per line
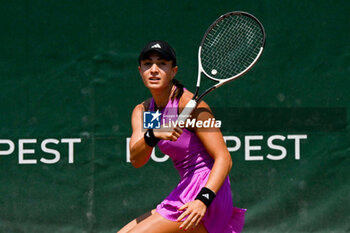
(158, 224)
(134, 222)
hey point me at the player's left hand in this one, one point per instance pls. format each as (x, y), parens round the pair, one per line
(195, 211)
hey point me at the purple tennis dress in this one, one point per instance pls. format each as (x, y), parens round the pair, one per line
(194, 164)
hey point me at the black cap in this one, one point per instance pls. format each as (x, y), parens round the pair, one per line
(162, 47)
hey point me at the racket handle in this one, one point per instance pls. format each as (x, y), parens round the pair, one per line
(187, 110)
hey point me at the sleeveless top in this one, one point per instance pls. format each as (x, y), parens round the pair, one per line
(187, 153)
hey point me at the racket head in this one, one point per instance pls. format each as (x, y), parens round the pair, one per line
(231, 46)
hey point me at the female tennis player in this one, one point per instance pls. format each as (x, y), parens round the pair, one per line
(202, 201)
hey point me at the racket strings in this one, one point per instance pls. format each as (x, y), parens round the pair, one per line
(231, 46)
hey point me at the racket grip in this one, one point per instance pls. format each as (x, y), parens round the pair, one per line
(187, 110)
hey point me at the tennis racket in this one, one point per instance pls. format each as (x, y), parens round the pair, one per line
(230, 47)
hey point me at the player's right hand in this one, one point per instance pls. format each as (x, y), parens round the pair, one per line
(171, 134)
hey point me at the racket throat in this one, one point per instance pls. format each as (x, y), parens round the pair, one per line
(196, 93)
(199, 98)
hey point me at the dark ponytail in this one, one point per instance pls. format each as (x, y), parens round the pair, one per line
(179, 89)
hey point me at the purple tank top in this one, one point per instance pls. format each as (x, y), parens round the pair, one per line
(187, 153)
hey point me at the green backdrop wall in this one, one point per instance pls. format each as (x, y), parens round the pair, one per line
(69, 82)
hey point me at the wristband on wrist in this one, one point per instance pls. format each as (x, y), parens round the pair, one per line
(206, 196)
(150, 139)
